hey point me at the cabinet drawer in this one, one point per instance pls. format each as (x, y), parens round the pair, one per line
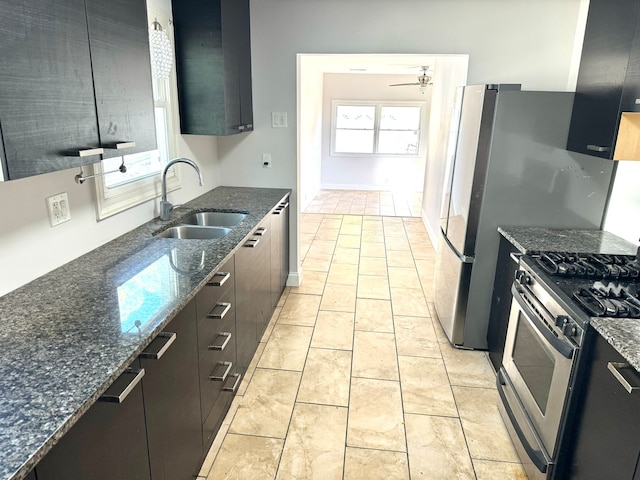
(220, 283)
(215, 320)
(219, 409)
(218, 365)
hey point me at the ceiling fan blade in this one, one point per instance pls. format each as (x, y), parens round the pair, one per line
(403, 84)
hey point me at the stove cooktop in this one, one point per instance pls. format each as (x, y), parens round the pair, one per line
(599, 285)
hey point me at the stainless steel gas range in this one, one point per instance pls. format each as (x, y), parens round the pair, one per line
(554, 297)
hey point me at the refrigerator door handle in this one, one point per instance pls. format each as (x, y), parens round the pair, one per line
(463, 258)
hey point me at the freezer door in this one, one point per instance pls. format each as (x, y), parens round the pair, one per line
(452, 279)
(470, 166)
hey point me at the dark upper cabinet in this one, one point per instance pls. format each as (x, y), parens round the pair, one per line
(606, 52)
(213, 59)
(54, 53)
(119, 39)
(46, 94)
(109, 441)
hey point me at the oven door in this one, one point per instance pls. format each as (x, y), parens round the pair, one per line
(538, 363)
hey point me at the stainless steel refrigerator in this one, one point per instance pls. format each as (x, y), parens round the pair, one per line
(510, 168)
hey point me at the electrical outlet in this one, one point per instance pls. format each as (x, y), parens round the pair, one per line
(59, 210)
(266, 160)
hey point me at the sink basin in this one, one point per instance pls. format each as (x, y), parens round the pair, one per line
(194, 232)
(218, 219)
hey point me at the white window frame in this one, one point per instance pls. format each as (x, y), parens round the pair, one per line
(110, 201)
(376, 128)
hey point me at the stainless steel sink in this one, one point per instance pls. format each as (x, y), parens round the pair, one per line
(218, 219)
(194, 232)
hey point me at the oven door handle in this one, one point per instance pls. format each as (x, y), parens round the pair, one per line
(563, 348)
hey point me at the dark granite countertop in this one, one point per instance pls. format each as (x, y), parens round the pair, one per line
(527, 239)
(69, 334)
(623, 334)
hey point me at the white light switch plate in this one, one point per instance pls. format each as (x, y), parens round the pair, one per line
(59, 210)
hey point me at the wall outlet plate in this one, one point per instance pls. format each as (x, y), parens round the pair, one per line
(266, 160)
(278, 119)
(59, 211)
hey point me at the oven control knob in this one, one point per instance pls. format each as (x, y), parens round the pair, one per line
(562, 321)
(523, 278)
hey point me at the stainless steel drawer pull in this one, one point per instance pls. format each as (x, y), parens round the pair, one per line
(277, 211)
(226, 336)
(249, 125)
(219, 314)
(597, 148)
(234, 387)
(251, 243)
(221, 378)
(284, 205)
(170, 338)
(261, 231)
(218, 282)
(120, 397)
(615, 367)
(86, 152)
(119, 145)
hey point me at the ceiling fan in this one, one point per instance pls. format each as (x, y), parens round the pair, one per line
(423, 82)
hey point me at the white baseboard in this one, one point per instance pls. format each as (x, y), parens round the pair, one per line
(433, 235)
(294, 279)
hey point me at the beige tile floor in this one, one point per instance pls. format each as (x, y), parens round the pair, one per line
(354, 378)
(367, 202)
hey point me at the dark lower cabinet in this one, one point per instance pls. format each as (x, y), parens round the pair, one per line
(172, 399)
(219, 375)
(501, 301)
(606, 443)
(108, 442)
(253, 292)
(279, 250)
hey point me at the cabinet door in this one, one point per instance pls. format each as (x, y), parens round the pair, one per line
(603, 66)
(200, 66)
(47, 106)
(108, 442)
(606, 444)
(236, 36)
(119, 36)
(253, 294)
(501, 302)
(172, 398)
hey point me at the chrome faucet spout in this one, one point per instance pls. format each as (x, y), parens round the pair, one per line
(165, 205)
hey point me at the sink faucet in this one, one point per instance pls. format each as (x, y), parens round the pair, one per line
(165, 206)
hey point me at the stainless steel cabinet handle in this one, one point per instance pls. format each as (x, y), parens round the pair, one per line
(119, 398)
(249, 125)
(119, 145)
(251, 243)
(233, 388)
(615, 367)
(221, 378)
(277, 211)
(241, 127)
(261, 231)
(86, 152)
(285, 205)
(219, 282)
(597, 148)
(170, 338)
(219, 315)
(226, 336)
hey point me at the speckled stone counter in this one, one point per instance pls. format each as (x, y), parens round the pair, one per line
(69, 334)
(623, 335)
(528, 239)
